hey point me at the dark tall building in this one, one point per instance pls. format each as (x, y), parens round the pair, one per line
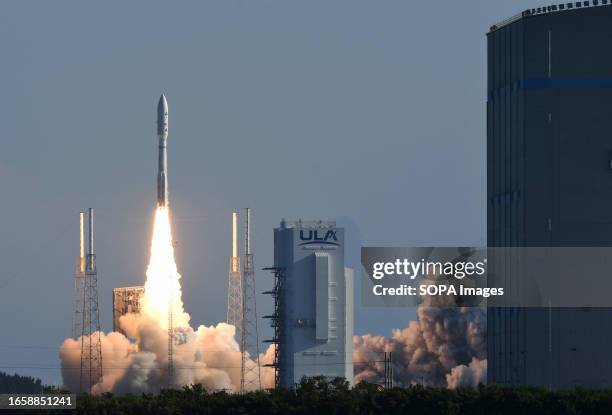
(549, 152)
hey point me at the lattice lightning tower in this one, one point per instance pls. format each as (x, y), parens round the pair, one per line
(91, 348)
(250, 371)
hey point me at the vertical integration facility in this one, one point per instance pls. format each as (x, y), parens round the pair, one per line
(315, 307)
(549, 181)
(126, 300)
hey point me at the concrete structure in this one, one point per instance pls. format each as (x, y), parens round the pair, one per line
(126, 300)
(549, 151)
(315, 315)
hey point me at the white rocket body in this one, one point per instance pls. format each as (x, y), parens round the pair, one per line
(162, 168)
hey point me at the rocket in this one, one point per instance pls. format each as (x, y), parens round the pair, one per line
(162, 167)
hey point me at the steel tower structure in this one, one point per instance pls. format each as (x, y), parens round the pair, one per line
(250, 376)
(91, 347)
(234, 290)
(79, 282)
(276, 319)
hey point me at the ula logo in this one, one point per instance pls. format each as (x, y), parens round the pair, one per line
(318, 237)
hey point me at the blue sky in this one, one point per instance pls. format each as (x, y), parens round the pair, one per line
(372, 113)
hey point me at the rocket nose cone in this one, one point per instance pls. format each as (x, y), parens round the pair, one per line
(162, 105)
(162, 117)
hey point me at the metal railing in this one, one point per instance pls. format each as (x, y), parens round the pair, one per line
(550, 9)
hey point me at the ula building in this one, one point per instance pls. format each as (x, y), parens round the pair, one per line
(314, 312)
(549, 181)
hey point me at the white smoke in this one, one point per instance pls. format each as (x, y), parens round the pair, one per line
(471, 375)
(209, 356)
(445, 347)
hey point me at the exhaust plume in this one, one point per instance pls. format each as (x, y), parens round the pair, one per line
(207, 355)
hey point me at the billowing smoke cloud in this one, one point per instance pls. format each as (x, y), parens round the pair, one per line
(470, 375)
(209, 356)
(445, 347)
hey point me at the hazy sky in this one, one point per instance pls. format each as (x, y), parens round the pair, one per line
(370, 112)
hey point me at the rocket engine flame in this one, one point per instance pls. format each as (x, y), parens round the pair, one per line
(162, 287)
(207, 355)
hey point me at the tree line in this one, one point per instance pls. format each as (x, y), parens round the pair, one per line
(320, 396)
(19, 384)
